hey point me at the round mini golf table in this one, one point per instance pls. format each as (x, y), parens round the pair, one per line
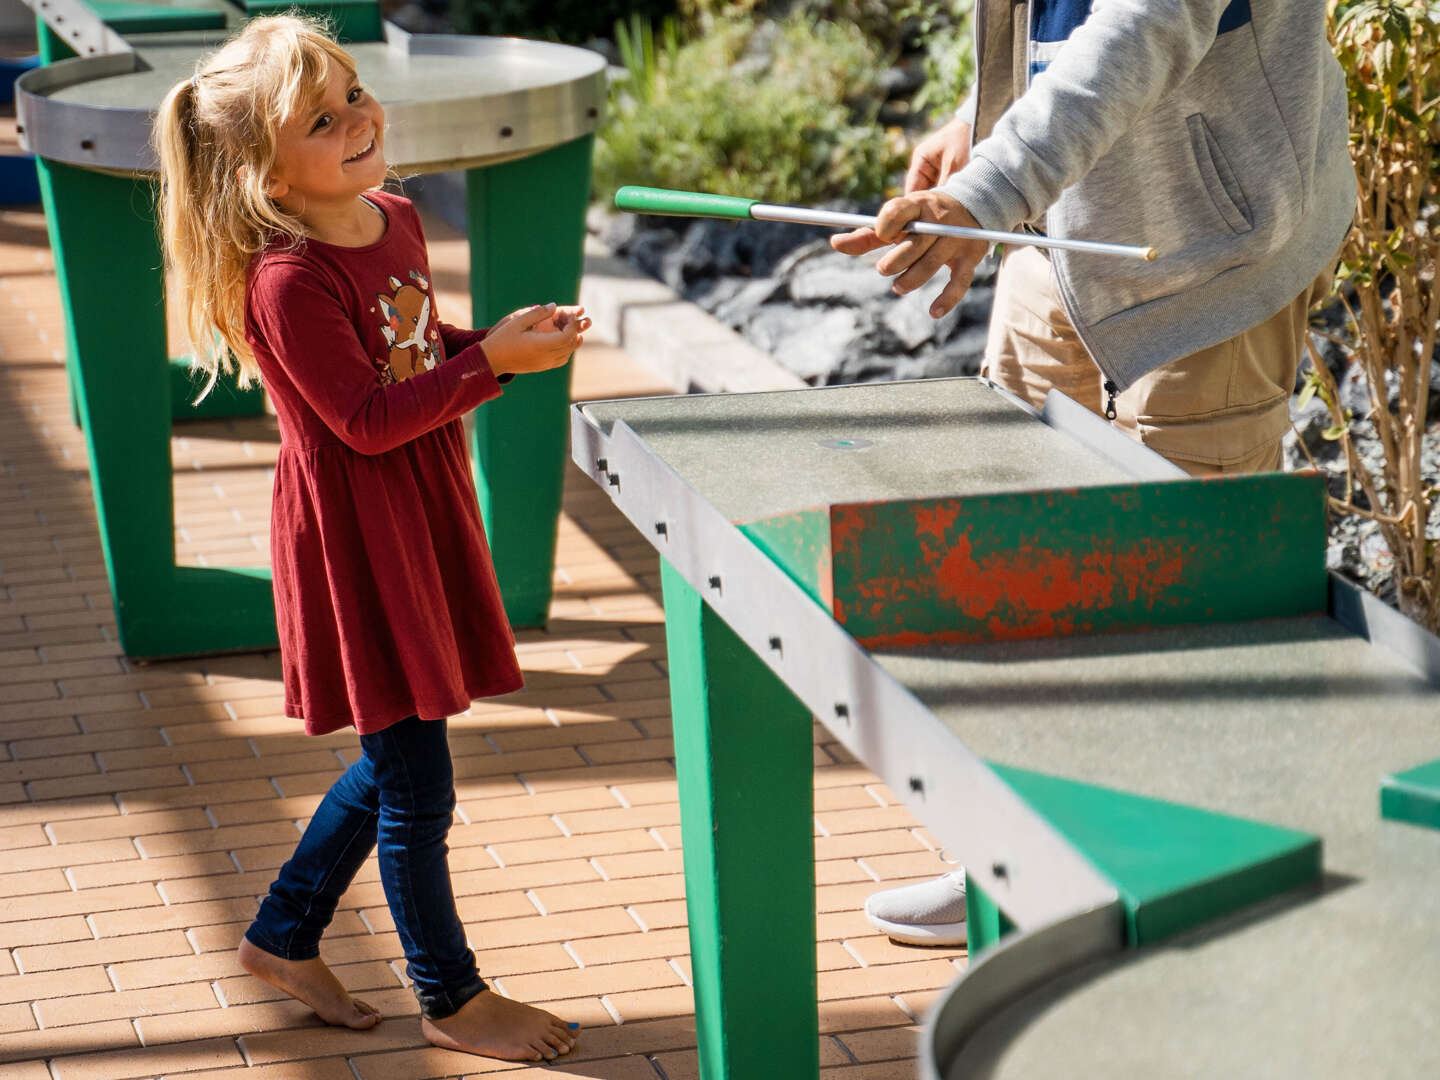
(518, 116)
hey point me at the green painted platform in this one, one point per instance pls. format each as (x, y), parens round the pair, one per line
(1174, 866)
(1412, 795)
(1053, 563)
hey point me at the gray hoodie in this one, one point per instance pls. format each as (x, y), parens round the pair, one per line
(1211, 132)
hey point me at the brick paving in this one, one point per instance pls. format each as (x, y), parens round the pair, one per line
(144, 808)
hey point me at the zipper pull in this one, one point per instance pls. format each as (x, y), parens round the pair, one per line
(1111, 390)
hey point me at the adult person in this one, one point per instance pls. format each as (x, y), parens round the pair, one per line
(1214, 131)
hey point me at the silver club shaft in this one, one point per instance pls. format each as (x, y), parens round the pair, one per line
(801, 215)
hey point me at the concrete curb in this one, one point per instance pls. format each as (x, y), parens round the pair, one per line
(676, 339)
(680, 341)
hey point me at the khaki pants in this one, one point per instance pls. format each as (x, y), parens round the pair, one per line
(1221, 410)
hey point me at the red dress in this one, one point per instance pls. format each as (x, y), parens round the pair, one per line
(385, 595)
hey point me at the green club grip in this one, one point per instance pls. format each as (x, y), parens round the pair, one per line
(644, 200)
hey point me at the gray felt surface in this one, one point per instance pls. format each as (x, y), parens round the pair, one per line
(753, 455)
(1289, 721)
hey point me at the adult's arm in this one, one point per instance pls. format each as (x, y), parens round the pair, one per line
(1113, 69)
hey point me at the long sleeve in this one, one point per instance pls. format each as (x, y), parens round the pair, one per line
(455, 339)
(297, 318)
(1113, 68)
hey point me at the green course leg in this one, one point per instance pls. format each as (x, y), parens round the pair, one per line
(527, 234)
(107, 261)
(985, 923)
(745, 762)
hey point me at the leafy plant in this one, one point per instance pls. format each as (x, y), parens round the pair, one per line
(782, 111)
(945, 31)
(1390, 50)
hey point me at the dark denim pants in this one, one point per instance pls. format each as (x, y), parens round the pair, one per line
(401, 795)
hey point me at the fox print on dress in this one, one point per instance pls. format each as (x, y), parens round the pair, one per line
(407, 314)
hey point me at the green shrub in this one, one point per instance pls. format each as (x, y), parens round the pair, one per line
(571, 21)
(945, 31)
(778, 111)
(1390, 270)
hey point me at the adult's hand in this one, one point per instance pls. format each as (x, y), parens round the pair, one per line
(916, 258)
(938, 156)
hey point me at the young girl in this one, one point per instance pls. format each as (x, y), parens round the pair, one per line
(299, 270)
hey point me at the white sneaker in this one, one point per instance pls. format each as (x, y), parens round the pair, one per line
(930, 913)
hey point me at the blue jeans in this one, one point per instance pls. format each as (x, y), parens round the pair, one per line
(401, 794)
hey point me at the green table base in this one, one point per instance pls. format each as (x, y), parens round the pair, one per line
(106, 259)
(745, 762)
(521, 441)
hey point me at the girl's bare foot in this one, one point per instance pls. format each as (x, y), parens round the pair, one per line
(311, 982)
(495, 1026)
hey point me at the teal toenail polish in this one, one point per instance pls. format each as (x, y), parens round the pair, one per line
(574, 1026)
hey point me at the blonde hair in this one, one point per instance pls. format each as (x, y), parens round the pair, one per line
(215, 136)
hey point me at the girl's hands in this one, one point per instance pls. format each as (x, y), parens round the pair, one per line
(563, 317)
(535, 339)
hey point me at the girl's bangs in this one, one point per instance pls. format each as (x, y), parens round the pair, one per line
(303, 86)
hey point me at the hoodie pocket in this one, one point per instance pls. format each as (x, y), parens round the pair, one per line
(1217, 175)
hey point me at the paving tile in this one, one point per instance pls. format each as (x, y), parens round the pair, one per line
(179, 1059)
(427, 1063)
(335, 1068)
(884, 1044)
(886, 1070)
(662, 915)
(640, 864)
(52, 957)
(133, 870)
(624, 947)
(69, 902)
(52, 984)
(610, 893)
(16, 1017)
(161, 916)
(88, 1008)
(105, 1035)
(614, 818)
(558, 846)
(607, 979)
(577, 1067)
(22, 836)
(285, 1014)
(44, 931)
(873, 949)
(268, 1047)
(638, 1005)
(77, 854)
(29, 882)
(853, 1014)
(174, 970)
(25, 1070)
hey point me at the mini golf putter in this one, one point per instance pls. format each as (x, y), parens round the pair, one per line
(643, 200)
